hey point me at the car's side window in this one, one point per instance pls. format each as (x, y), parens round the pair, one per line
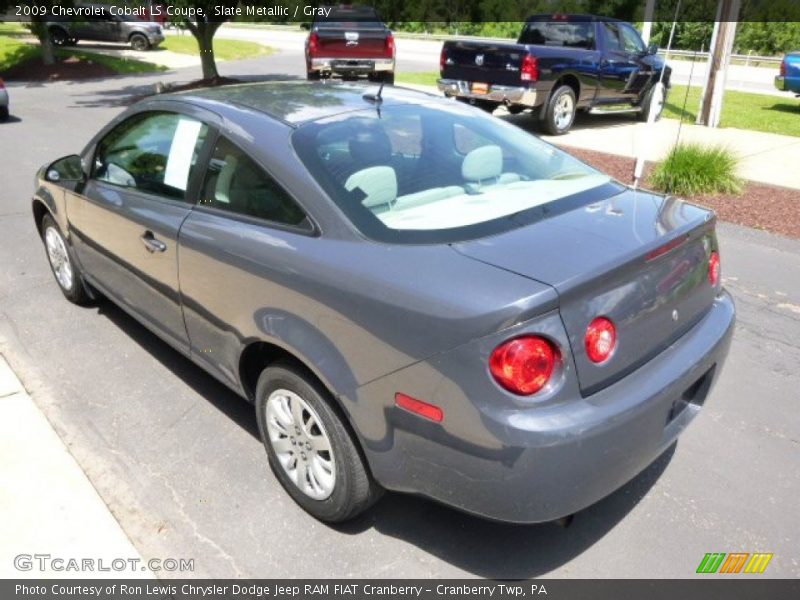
(613, 36)
(152, 152)
(631, 40)
(235, 183)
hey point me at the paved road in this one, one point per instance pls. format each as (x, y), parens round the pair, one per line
(176, 456)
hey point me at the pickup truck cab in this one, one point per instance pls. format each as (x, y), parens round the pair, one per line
(352, 42)
(788, 80)
(559, 65)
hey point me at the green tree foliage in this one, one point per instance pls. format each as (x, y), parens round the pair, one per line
(203, 26)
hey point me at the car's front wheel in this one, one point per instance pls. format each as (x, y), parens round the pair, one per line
(58, 36)
(62, 263)
(653, 102)
(310, 449)
(560, 111)
(140, 42)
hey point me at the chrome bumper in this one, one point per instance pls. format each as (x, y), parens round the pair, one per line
(502, 94)
(352, 65)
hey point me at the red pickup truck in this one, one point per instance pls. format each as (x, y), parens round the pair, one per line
(350, 41)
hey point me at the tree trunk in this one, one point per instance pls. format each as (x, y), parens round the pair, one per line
(205, 41)
(40, 30)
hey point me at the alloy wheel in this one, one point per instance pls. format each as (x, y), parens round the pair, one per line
(59, 258)
(301, 443)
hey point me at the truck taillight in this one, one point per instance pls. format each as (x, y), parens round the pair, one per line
(783, 68)
(442, 61)
(390, 49)
(313, 43)
(529, 71)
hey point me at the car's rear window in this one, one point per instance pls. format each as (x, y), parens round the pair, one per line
(564, 34)
(440, 172)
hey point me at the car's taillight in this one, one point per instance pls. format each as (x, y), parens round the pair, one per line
(442, 61)
(783, 68)
(529, 70)
(2, 85)
(313, 43)
(390, 46)
(713, 269)
(523, 365)
(600, 340)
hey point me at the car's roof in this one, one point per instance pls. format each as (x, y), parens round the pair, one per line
(560, 17)
(298, 102)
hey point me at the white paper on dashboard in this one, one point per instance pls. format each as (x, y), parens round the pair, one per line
(180, 153)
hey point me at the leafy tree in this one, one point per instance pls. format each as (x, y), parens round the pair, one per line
(203, 25)
(38, 22)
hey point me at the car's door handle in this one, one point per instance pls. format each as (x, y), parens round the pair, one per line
(151, 244)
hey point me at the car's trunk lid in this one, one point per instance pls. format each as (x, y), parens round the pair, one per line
(636, 258)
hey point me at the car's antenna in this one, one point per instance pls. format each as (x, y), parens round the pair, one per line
(376, 98)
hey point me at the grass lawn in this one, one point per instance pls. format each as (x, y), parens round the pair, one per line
(758, 112)
(418, 77)
(13, 52)
(13, 28)
(223, 49)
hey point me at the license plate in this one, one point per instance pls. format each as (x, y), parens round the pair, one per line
(480, 88)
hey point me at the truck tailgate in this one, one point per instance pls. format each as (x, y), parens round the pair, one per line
(485, 62)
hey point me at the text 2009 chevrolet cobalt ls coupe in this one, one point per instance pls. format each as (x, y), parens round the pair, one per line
(416, 296)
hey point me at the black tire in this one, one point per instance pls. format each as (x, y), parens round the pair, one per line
(72, 41)
(75, 291)
(58, 36)
(313, 75)
(560, 112)
(647, 102)
(139, 42)
(354, 489)
(514, 109)
(4, 113)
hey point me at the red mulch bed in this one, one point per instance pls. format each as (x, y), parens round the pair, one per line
(760, 205)
(71, 68)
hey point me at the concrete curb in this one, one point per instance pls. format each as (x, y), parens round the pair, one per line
(50, 509)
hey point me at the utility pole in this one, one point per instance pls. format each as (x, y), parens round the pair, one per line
(647, 27)
(721, 48)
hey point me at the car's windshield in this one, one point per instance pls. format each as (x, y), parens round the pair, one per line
(438, 172)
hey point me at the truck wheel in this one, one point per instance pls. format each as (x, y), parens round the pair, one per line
(655, 99)
(560, 112)
(139, 42)
(4, 113)
(313, 75)
(58, 36)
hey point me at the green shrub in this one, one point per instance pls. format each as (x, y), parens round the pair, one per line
(692, 169)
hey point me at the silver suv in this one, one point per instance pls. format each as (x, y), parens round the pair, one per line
(99, 24)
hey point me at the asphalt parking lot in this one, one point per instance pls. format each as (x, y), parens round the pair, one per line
(176, 456)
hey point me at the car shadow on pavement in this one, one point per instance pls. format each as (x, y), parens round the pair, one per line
(220, 396)
(501, 550)
(479, 546)
(530, 123)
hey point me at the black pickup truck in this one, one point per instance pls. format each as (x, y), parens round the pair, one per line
(560, 64)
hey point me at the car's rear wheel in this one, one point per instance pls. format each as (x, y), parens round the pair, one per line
(313, 75)
(58, 36)
(4, 113)
(382, 77)
(62, 262)
(560, 111)
(72, 41)
(310, 449)
(140, 42)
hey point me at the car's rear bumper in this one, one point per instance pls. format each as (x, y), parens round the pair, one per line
(530, 463)
(502, 94)
(788, 84)
(352, 66)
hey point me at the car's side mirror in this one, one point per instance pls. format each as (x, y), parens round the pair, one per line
(652, 49)
(64, 170)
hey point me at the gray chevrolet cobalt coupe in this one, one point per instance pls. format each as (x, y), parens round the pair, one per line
(414, 295)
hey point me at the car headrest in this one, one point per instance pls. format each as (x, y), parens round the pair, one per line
(379, 185)
(483, 163)
(371, 147)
